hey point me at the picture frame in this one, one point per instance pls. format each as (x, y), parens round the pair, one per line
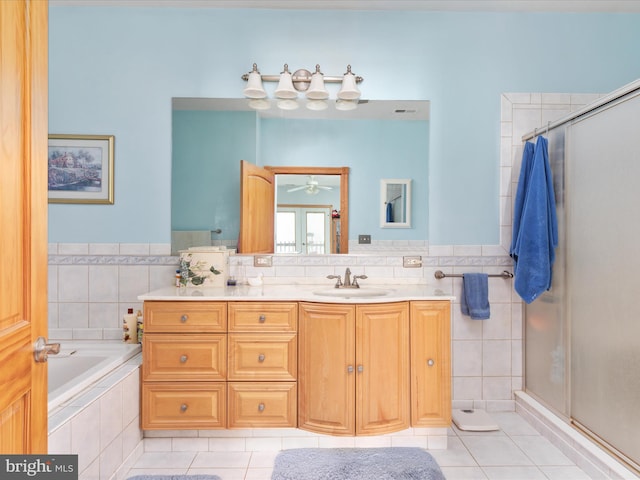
(80, 169)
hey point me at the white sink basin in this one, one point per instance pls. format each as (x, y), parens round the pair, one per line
(352, 292)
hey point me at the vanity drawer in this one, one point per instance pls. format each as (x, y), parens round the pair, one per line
(187, 357)
(178, 317)
(263, 316)
(266, 356)
(268, 404)
(190, 406)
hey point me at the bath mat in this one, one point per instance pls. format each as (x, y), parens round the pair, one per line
(175, 477)
(391, 463)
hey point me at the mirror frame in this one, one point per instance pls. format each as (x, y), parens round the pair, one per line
(344, 193)
(384, 183)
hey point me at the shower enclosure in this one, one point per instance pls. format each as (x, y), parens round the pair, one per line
(582, 337)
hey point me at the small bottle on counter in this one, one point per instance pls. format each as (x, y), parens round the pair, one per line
(129, 327)
(140, 326)
(178, 278)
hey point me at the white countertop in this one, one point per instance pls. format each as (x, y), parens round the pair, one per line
(392, 293)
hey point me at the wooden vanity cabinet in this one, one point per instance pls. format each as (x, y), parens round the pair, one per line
(184, 365)
(430, 363)
(339, 369)
(262, 364)
(353, 374)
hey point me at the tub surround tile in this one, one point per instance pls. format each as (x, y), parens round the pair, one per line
(73, 315)
(84, 440)
(111, 411)
(103, 283)
(73, 283)
(111, 457)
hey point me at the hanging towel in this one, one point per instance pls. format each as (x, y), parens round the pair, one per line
(474, 298)
(389, 212)
(533, 248)
(518, 204)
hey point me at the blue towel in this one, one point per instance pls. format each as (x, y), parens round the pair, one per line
(533, 248)
(389, 212)
(474, 298)
(523, 181)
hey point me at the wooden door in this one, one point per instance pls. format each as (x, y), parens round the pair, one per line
(23, 216)
(382, 366)
(326, 369)
(257, 207)
(430, 365)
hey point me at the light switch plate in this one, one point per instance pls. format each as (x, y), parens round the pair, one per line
(262, 261)
(412, 261)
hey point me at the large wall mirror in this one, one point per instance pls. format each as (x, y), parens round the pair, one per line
(211, 136)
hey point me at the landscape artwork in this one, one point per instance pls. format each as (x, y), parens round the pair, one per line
(80, 169)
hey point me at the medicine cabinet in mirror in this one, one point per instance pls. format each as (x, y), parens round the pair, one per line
(395, 203)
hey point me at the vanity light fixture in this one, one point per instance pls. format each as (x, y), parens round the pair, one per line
(302, 80)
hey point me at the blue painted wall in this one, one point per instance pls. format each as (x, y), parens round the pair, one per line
(114, 70)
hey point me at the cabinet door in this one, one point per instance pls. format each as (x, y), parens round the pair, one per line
(326, 369)
(382, 366)
(430, 365)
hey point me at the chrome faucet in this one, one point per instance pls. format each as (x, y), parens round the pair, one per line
(348, 283)
(347, 278)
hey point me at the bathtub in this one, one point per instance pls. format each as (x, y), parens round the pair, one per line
(82, 363)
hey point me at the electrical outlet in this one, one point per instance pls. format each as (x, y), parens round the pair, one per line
(262, 261)
(364, 239)
(412, 262)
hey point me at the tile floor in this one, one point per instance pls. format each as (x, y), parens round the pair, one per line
(516, 452)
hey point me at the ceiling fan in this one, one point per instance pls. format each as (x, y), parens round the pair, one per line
(312, 187)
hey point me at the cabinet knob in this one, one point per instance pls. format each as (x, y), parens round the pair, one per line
(261, 407)
(262, 318)
(183, 359)
(360, 369)
(184, 318)
(350, 369)
(431, 362)
(261, 357)
(183, 407)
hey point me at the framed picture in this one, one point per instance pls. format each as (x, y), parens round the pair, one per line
(80, 169)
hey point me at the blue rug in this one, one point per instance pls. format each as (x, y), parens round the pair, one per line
(175, 477)
(393, 463)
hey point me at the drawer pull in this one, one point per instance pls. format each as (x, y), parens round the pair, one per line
(261, 407)
(360, 369)
(184, 318)
(430, 362)
(183, 407)
(261, 357)
(183, 359)
(262, 318)
(350, 369)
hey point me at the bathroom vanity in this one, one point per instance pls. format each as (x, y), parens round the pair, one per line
(296, 356)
